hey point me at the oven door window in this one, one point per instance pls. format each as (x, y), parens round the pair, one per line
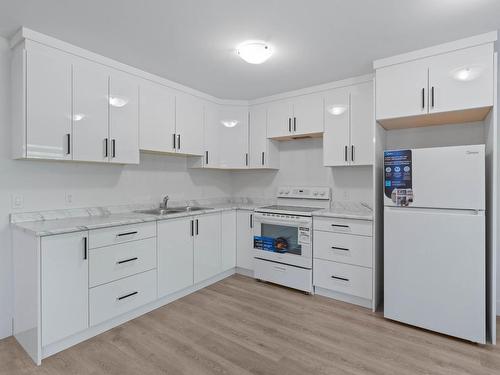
(278, 238)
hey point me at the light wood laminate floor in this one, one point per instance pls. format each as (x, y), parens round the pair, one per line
(241, 326)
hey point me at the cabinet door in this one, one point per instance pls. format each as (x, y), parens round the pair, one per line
(212, 130)
(257, 136)
(461, 80)
(244, 246)
(279, 119)
(65, 286)
(362, 124)
(401, 90)
(48, 105)
(233, 134)
(336, 135)
(207, 246)
(157, 118)
(124, 119)
(228, 240)
(175, 255)
(90, 112)
(189, 124)
(308, 114)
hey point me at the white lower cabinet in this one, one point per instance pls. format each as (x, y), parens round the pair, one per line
(175, 255)
(64, 286)
(244, 246)
(343, 259)
(189, 251)
(228, 239)
(207, 246)
(120, 296)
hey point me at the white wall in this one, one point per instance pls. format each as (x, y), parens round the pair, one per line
(44, 185)
(301, 163)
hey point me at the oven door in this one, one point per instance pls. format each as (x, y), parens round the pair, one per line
(283, 240)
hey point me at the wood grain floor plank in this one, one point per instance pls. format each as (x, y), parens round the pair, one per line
(241, 326)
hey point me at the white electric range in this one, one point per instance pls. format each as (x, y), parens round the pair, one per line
(283, 236)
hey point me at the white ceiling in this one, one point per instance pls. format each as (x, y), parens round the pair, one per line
(192, 41)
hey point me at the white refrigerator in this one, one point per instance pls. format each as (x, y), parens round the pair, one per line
(434, 239)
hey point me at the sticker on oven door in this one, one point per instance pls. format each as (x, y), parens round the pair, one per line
(398, 176)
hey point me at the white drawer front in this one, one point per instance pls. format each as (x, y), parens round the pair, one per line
(118, 261)
(116, 298)
(293, 277)
(344, 278)
(349, 226)
(123, 233)
(344, 248)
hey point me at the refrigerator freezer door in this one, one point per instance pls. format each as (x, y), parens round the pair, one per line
(447, 177)
(434, 270)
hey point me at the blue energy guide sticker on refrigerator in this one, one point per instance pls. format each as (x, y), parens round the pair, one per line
(398, 177)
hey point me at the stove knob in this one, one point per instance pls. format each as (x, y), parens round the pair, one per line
(315, 193)
(287, 191)
(322, 193)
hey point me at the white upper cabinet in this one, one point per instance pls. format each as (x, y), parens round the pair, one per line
(69, 108)
(90, 112)
(157, 118)
(300, 116)
(233, 133)
(402, 90)
(461, 80)
(362, 124)
(64, 285)
(48, 105)
(263, 152)
(308, 115)
(123, 119)
(189, 124)
(211, 136)
(349, 125)
(449, 87)
(279, 119)
(337, 120)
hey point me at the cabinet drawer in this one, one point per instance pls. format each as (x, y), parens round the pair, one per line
(116, 298)
(123, 233)
(343, 248)
(344, 278)
(292, 277)
(350, 226)
(118, 261)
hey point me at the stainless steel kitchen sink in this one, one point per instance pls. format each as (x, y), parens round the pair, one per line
(173, 210)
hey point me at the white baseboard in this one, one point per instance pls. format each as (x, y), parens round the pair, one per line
(54, 348)
(244, 271)
(343, 297)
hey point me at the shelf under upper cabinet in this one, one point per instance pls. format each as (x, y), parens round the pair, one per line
(433, 119)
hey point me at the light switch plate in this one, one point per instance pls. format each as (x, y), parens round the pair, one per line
(69, 198)
(17, 201)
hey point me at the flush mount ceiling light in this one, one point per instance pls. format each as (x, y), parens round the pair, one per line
(468, 73)
(254, 51)
(229, 123)
(117, 101)
(337, 109)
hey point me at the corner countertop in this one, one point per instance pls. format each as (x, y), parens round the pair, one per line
(347, 210)
(48, 223)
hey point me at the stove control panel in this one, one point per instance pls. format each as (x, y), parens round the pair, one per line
(304, 192)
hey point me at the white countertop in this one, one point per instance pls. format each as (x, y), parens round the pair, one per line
(47, 223)
(346, 210)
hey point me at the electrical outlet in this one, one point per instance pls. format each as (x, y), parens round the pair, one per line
(346, 195)
(69, 198)
(17, 201)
